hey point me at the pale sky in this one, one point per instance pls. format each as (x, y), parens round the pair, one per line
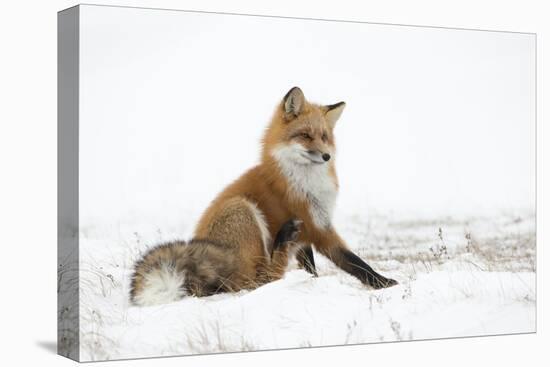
(173, 105)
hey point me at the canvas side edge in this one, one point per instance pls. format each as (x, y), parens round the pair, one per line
(68, 340)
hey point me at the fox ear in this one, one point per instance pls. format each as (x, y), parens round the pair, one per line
(293, 102)
(333, 112)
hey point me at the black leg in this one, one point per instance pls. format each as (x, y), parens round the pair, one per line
(354, 265)
(306, 260)
(288, 232)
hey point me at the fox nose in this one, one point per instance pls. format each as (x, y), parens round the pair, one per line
(326, 157)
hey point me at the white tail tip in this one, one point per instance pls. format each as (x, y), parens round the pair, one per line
(163, 285)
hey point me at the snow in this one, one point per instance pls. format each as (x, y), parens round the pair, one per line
(474, 277)
(433, 147)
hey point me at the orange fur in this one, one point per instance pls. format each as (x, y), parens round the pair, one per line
(296, 178)
(267, 187)
(242, 239)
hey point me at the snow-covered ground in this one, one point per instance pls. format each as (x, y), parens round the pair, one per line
(458, 277)
(432, 127)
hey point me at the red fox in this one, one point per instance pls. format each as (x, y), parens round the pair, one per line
(246, 235)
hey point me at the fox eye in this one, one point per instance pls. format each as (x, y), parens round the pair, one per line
(324, 137)
(306, 136)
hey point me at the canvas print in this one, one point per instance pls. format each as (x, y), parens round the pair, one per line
(233, 183)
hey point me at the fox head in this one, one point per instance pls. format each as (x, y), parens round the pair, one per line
(302, 132)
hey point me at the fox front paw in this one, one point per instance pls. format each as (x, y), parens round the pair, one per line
(288, 234)
(380, 283)
(290, 230)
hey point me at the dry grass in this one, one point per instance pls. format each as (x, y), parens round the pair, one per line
(407, 249)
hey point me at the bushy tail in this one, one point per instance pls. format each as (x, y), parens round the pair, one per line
(170, 271)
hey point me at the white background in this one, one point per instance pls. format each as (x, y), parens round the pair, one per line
(173, 105)
(28, 151)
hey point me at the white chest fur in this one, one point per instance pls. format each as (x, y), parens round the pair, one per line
(310, 182)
